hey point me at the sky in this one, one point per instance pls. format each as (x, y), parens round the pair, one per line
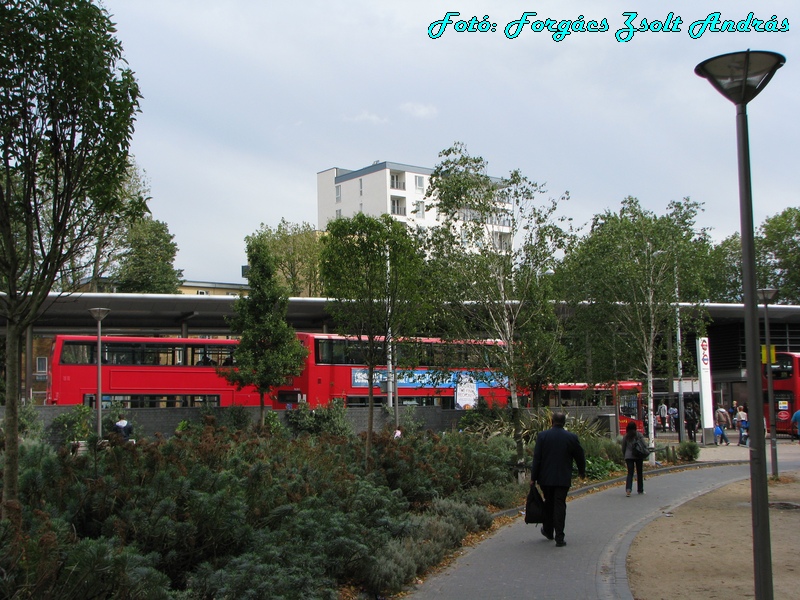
(245, 101)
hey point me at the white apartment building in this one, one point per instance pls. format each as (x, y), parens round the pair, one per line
(381, 188)
(385, 188)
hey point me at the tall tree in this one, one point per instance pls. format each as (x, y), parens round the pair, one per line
(780, 250)
(624, 277)
(146, 267)
(373, 272)
(296, 248)
(496, 245)
(92, 271)
(268, 350)
(724, 270)
(67, 107)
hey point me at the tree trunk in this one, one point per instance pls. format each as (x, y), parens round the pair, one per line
(516, 419)
(370, 419)
(11, 423)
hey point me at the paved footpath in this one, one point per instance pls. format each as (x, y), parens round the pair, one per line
(517, 563)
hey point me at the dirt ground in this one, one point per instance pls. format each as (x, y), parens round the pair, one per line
(704, 549)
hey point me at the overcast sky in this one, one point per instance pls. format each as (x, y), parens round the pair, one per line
(245, 101)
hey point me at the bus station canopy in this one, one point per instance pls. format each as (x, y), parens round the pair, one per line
(158, 314)
(168, 314)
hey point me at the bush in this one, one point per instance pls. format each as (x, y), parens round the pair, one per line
(219, 513)
(236, 418)
(599, 468)
(30, 424)
(604, 448)
(73, 425)
(331, 419)
(688, 451)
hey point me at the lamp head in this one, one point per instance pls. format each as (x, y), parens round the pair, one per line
(99, 313)
(740, 76)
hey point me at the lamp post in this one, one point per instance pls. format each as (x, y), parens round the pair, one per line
(766, 296)
(740, 77)
(681, 425)
(99, 314)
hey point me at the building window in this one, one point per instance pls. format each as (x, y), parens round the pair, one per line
(396, 181)
(202, 293)
(338, 213)
(419, 209)
(360, 187)
(338, 194)
(419, 183)
(398, 206)
(41, 364)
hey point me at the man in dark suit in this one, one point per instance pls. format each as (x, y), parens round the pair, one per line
(553, 454)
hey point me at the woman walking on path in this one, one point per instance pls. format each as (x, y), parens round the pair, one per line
(632, 461)
(742, 425)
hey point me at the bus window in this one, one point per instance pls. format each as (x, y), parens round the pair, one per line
(78, 353)
(783, 367)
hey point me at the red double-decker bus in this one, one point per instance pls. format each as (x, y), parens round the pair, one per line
(169, 372)
(143, 372)
(786, 391)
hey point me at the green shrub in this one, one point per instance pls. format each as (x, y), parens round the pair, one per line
(29, 422)
(236, 418)
(73, 425)
(598, 468)
(604, 448)
(497, 495)
(688, 451)
(220, 513)
(331, 419)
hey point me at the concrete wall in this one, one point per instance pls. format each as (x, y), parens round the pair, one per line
(150, 422)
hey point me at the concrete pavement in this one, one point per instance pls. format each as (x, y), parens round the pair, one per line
(517, 563)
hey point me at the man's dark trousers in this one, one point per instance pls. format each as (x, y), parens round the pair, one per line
(555, 511)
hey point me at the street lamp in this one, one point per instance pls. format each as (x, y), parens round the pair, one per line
(740, 77)
(99, 314)
(766, 296)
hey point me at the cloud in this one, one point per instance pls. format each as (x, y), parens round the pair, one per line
(420, 111)
(368, 117)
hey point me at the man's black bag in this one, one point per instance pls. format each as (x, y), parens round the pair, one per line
(640, 449)
(534, 507)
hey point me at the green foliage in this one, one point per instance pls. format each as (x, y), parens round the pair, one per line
(512, 301)
(147, 266)
(331, 419)
(216, 512)
(296, 248)
(373, 272)
(73, 425)
(488, 422)
(236, 418)
(67, 116)
(273, 424)
(688, 451)
(31, 426)
(780, 254)
(603, 448)
(622, 277)
(268, 350)
(598, 468)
